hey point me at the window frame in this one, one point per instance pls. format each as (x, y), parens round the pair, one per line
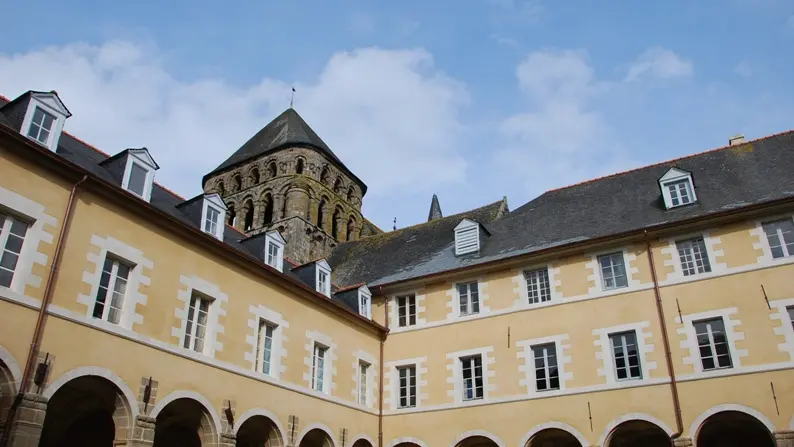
(110, 289)
(537, 286)
(363, 386)
(5, 234)
(141, 159)
(51, 104)
(699, 243)
(320, 375)
(264, 356)
(45, 114)
(470, 303)
(600, 268)
(625, 355)
(410, 392)
(273, 239)
(406, 318)
(712, 344)
(780, 238)
(213, 203)
(475, 363)
(189, 336)
(674, 177)
(321, 268)
(546, 367)
(365, 302)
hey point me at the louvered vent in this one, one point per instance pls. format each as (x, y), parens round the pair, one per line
(467, 237)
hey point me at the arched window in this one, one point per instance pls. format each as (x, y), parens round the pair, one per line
(351, 193)
(299, 166)
(249, 216)
(338, 185)
(271, 169)
(255, 176)
(284, 208)
(351, 229)
(219, 189)
(230, 215)
(237, 183)
(335, 224)
(268, 215)
(326, 174)
(320, 212)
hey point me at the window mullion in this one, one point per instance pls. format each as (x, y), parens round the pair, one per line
(782, 241)
(547, 368)
(114, 269)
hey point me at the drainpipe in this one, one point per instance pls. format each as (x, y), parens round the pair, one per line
(380, 378)
(38, 332)
(666, 341)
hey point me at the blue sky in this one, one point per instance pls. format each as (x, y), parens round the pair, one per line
(473, 100)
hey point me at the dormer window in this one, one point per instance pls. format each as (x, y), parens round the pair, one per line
(467, 237)
(365, 302)
(139, 173)
(677, 188)
(323, 277)
(44, 119)
(213, 214)
(274, 250)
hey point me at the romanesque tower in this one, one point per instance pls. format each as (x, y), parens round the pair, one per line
(286, 178)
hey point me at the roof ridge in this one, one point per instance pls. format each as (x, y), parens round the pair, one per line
(672, 160)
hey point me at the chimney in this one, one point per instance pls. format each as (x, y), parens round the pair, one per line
(736, 140)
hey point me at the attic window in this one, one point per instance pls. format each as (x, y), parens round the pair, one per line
(677, 188)
(41, 126)
(139, 173)
(365, 302)
(213, 214)
(44, 119)
(323, 277)
(467, 237)
(274, 250)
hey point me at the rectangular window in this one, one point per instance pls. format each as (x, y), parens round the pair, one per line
(547, 376)
(407, 386)
(364, 304)
(626, 356)
(469, 297)
(41, 126)
(110, 295)
(12, 236)
(538, 289)
(679, 192)
(713, 344)
(211, 220)
(471, 370)
(693, 255)
(196, 325)
(780, 235)
(137, 180)
(406, 310)
(322, 282)
(363, 367)
(272, 255)
(318, 367)
(613, 271)
(264, 346)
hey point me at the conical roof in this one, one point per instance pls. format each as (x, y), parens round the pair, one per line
(435, 209)
(287, 130)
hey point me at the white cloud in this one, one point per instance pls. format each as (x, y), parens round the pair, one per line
(391, 116)
(659, 63)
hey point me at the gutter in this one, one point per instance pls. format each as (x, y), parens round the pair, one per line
(380, 376)
(41, 321)
(668, 356)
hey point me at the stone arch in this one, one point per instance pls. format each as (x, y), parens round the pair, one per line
(237, 182)
(338, 185)
(362, 440)
(322, 212)
(10, 379)
(537, 430)
(231, 214)
(89, 406)
(732, 425)
(254, 175)
(407, 441)
(655, 432)
(351, 194)
(185, 418)
(248, 214)
(272, 169)
(258, 427)
(219, 188)
(317, 435)
(300, 165)
(477, 438)
(325, 175)
(351, 229)
(335, 223)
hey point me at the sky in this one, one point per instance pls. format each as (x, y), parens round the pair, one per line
(472, 100)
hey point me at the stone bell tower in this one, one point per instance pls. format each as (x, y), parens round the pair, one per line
(286, 178)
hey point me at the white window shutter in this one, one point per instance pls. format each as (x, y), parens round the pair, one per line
(467, 237)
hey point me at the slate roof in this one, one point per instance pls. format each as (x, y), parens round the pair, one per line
(286, 130)
(727, 178)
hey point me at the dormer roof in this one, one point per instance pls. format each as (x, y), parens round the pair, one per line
(287, 130)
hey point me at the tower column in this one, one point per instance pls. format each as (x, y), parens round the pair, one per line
(278, 206)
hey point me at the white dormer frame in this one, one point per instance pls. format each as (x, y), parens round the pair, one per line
(675, 175)
(322, 266)
(51, 104)
(275, 241)
(365, 302)
(141, 158)
(467, 237)
(213, 202)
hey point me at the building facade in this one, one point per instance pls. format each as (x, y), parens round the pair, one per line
(649, 308)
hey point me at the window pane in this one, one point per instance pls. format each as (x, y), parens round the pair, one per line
(780, 236)
(137, 179)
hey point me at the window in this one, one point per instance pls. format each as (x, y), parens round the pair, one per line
(680, 192)
(365, 302)
(693, 255)
(538, 289)
(318, 367)
(547, 376)
(41, 126)
(406, 310)
(407, 386)
(780, 235)
(196, 325)
(322, 282)
(613, 271)
(272, 255)
(471, 369)
(264, 346)
(274, 249)
(12, 236)
(791, 315)
(626, 356)
(112, 286)
(363, 368)
(469, 298)
(467, 237)
(323, 277)
(137, 181)
(713, 344)
(211, 221)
